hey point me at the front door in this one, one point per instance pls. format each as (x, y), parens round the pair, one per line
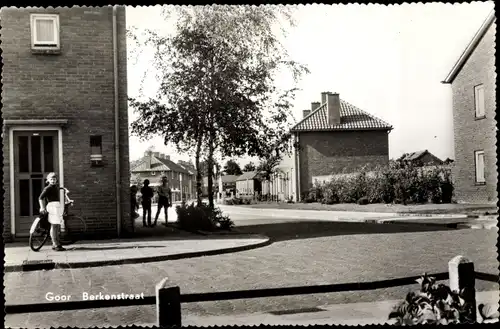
(35, 155)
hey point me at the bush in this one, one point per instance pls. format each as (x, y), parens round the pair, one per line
(398, 182)
(363, 201)
(433, 304)
(202, 217)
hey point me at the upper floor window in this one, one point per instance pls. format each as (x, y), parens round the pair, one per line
(479, 100)
(479, 162)
(45, 31)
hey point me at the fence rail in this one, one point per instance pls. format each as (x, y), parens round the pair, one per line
(168, 295)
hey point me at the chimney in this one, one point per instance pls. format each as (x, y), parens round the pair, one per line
(148, 154)
(315, 105)
(305, 113)
(156, 154)
(323, 96)
(167, 157)
(333, 106)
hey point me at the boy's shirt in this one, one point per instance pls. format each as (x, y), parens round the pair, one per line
(147, 193)
(164, 191)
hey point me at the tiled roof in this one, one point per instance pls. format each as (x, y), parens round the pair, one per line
(351, 118)
(414, 155)
(247, 175)
(158, 164)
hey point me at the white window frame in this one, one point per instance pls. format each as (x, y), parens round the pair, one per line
(478, 105)
(35, 44)
(479, 179)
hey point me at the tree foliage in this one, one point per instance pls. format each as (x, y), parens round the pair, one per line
(218, 83)
(232, 168)
(249, 167)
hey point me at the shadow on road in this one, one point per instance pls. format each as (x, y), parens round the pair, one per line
(314, 229)
(80, 248)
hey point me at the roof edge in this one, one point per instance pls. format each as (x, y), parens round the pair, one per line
(470, 47)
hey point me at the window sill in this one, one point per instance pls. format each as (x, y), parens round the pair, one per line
(480, 183)
(480, 118)
(45, 51)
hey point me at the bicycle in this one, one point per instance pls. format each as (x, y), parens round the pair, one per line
(74, 227)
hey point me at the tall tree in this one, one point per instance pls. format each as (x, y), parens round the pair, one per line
(218, 78)
(249, 167)
(232, 168)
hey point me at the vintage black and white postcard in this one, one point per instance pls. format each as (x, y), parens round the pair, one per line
(245, 165)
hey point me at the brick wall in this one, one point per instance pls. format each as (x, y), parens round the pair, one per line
(327, 153)
(471, 134)
(76, 84)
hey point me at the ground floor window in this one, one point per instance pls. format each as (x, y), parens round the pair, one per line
(479, 163)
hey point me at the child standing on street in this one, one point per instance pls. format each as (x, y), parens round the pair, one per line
(147, 195)
(164, 199)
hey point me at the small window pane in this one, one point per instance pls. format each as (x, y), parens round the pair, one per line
(24, 164)
(37, 190)
(24, 197)
(45, 30)
(48, 153)
(479, 98)
(480, 167)
(36, 154)
(95, 145)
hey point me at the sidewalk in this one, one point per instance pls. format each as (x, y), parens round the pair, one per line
(334, 314)
(446, 220)
(19, 256)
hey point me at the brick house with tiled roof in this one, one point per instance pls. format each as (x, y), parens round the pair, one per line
(422, 158)
(333, 137)
(473, 86)
(153, 165)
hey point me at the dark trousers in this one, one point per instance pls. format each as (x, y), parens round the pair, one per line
(146, 209)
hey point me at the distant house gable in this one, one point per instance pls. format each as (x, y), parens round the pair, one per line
(425, 157)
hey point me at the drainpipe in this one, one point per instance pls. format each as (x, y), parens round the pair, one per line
(297, 167)
(117, 127)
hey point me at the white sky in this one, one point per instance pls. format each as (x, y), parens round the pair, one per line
(386, 60)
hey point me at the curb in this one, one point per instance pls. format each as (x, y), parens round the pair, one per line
(50, 265)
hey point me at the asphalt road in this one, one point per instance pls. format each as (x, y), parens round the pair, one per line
(304, 253)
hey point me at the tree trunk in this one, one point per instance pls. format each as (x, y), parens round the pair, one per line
(198, 171)
(211, 149)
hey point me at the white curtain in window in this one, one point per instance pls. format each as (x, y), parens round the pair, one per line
(45, 30)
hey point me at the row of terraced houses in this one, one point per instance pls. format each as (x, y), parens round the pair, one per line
(64, 107)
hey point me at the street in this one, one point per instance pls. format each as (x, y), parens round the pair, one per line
(328, 252)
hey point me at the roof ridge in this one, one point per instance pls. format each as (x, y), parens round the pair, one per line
(367, 113)
(471, 46)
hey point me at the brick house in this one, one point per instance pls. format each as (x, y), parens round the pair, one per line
(249, 184)
(472, 81)
(65, 110)
(422, 158)
(153, 165)
(334, 137)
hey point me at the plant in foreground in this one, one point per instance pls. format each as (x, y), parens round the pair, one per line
(433, 304)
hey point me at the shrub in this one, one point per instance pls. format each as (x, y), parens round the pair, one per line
(363, 201)
(201, 217)
(433, 304)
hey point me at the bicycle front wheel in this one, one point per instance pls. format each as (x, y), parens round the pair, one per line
(75, 229)
(38, 235)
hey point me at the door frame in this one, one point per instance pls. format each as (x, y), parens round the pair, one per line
(12, 164)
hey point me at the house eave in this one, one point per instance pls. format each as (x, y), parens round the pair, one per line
(341, 129)
(470, 48)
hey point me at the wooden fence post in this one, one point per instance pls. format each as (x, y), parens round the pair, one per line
(168, 304)
(462, 278)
